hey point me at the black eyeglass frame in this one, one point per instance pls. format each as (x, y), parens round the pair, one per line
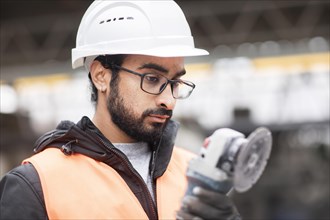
(163, 87)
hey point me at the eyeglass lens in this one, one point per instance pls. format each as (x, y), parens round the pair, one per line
(155, 84)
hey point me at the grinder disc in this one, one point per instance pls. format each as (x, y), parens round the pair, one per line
(252, 159)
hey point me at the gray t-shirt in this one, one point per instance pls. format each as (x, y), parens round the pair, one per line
(139, 154)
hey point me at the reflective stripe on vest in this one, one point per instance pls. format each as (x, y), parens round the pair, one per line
(78, 187)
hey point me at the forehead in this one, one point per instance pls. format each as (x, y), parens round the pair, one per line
(170, 63)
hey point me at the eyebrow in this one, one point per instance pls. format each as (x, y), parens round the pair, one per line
(160, 69)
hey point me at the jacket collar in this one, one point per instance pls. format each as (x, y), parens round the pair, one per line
(85, 138)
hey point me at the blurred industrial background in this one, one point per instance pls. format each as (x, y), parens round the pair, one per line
(268, 66)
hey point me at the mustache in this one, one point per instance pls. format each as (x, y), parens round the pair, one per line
(159, 111)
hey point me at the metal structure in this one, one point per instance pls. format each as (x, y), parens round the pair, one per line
(37, 31)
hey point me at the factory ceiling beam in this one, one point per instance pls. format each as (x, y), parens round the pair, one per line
(40, 38)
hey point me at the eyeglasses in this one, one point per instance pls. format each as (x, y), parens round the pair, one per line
(155, 84)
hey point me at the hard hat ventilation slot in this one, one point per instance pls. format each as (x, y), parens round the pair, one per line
(114, 19)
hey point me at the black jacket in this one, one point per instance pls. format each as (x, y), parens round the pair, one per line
(20, 189)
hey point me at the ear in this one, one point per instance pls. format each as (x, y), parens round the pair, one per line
(100, 76)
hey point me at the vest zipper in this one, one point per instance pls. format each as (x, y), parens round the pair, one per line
(153, 181)
(150, 205)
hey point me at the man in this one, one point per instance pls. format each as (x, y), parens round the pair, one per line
(122, 164)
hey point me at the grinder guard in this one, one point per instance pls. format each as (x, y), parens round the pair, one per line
(252, 159)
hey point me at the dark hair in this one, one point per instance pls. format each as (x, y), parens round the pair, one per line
(107, 62)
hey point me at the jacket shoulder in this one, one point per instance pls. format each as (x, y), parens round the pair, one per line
(23, 181)
(181, 157)
(183, 153)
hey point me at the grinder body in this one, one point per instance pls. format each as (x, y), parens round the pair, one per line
(229, 160)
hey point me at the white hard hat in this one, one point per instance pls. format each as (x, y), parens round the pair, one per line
(155, 28)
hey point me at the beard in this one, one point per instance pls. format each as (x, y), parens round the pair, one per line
(133, 125)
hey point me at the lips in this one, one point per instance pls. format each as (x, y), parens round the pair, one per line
(159, 118)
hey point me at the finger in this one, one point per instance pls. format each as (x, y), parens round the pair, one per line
(182, 215)
(213, 198)
(198, 208)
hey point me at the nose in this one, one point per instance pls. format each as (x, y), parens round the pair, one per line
(165, 99)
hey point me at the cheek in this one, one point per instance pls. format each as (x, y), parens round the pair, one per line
(140, 101)
(134, 98)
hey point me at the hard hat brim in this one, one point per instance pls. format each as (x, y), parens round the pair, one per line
(164, 51)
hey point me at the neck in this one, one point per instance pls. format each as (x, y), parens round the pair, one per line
(104, 123)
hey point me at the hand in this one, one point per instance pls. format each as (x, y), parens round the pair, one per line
(206, 204)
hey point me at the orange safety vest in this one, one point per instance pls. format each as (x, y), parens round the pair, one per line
(79, 187)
